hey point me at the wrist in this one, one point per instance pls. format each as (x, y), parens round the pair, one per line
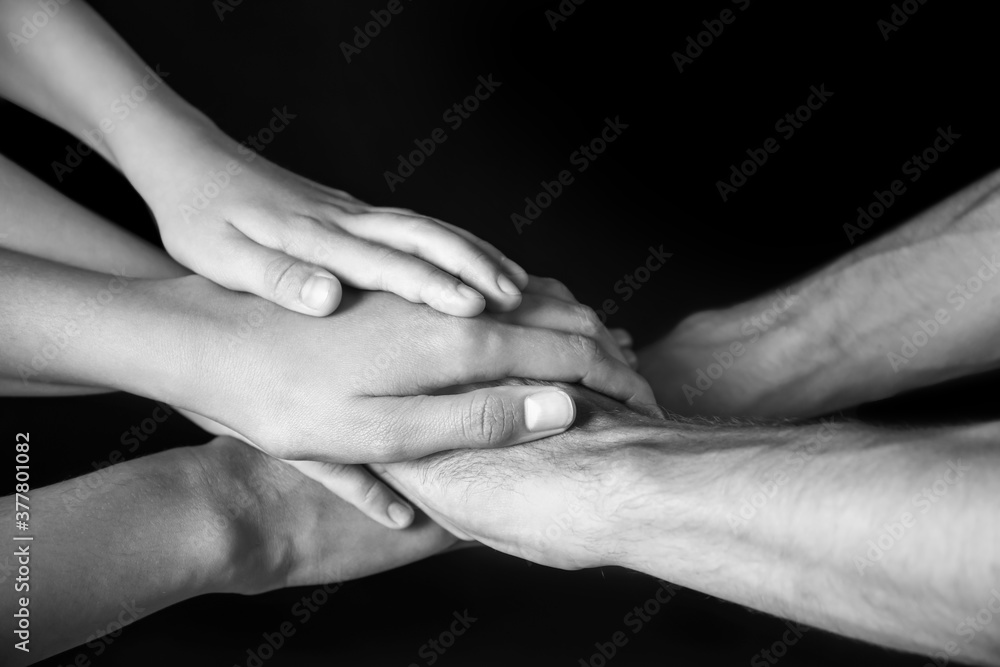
(753, 359)
(233, 483)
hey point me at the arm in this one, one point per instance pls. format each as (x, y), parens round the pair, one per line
(223, 210)
(163, 528)
(909, 309)
(779, 518)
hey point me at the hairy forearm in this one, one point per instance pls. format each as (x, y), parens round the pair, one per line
(110, 548)
(882, 535)
(912, 308)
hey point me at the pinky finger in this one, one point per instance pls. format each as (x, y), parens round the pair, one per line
(356, 485)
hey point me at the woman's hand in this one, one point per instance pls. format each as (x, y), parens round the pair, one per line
(247, 224)
(548, 304)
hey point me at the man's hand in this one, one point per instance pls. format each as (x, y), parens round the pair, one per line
(554, 502)
(838, 525)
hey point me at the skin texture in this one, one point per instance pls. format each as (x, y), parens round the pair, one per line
(823, 343)
(780, 517)
(93, 321)
(223, 210)
(222, 517)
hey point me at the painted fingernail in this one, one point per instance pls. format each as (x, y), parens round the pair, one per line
(514, 270)
(316, 291)
(548, 410)
(400, 514)
(506, 286)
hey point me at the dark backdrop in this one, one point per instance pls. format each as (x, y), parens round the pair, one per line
(657, 184)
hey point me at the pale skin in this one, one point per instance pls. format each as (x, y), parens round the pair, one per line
(157, 331)
(886, 535)
(219, 518)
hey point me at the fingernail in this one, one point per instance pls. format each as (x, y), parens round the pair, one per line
(514, 270)
(505, 285)
(631, 358)
(400, 514)
(316, 291)
(467, 293)
(622, 337)
(548, 410)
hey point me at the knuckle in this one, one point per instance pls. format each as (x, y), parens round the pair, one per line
(587, 347)
(590, 323)
(371, 492)
(279, 276)
(488, 419)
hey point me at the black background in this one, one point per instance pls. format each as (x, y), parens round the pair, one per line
(655, 185)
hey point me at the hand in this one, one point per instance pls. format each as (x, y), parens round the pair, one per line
(731, 362)
(554, 501)
(340, 390)
(287, 530)
(247, 224)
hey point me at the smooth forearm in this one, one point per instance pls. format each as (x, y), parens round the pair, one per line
(69, 326)
(881, 535)
(76, 72)
(113, 547)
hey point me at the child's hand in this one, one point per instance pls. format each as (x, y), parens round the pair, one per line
(252, 226)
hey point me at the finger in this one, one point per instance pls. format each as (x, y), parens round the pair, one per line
(386, 474)
(368, 265)
(549, 287)
(513, 269)
(550, 313)
(543, 354)
(516, 273)
(440, 246)
(478, 419)
(622, 337)
(631, 358)
(271, 274)
(362, 489)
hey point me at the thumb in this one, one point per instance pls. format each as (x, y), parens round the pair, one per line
(285, 280)
(483, 418)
